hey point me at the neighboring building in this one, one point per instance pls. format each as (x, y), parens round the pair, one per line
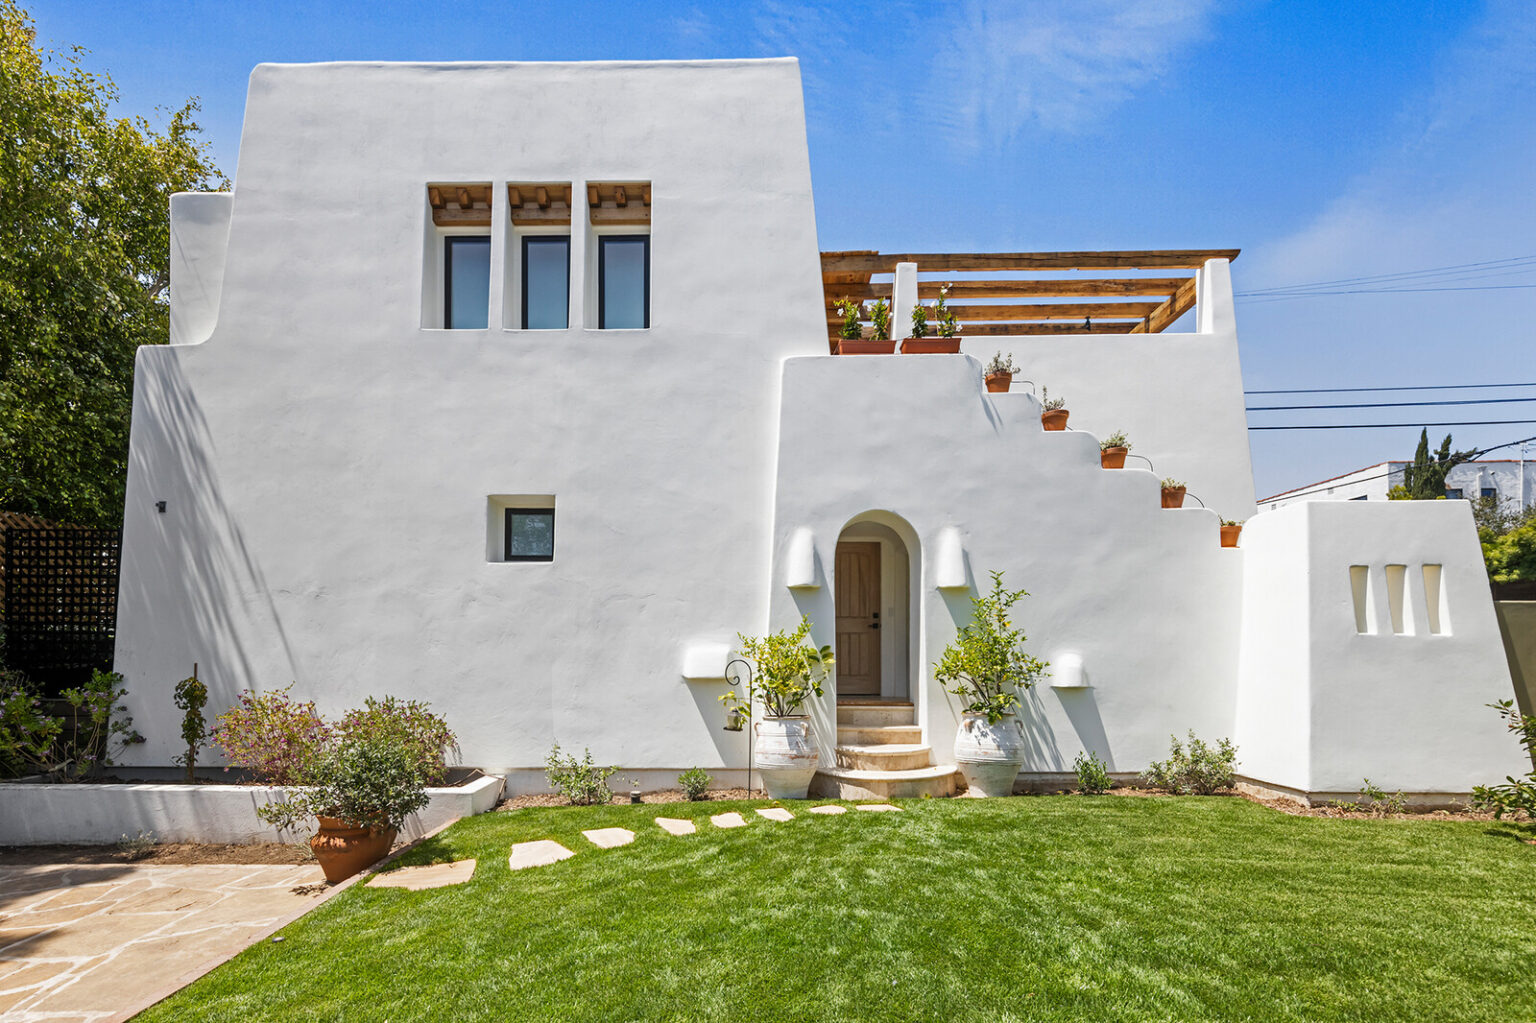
(1511, 482)
(508, 386)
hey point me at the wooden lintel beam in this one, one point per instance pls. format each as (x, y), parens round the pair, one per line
(593, 199)
(435, 196)
(534, 215)
(1027, 329)
(1056, 311)
(515, 194)
(620, 215)
(1179, 303)
(464, 201)
(462, 218)
(620, 196)
(541, 196)
(645, 195)
(1083, 287)
(1158, 259)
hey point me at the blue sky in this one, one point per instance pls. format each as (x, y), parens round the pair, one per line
(1326, 140)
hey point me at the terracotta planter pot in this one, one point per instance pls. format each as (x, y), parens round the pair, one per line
(1113, 458)
(1054, 420)
(931, 346)
(865, 346)
(998, 383)
(1173, 497)
(1229, 535)
(343, 851)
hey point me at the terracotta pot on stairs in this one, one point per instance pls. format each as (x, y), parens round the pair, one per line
(931, 346)
(1113, 458)
(1054, 419)
(865, 346)
(998, 383)
(1173, 497)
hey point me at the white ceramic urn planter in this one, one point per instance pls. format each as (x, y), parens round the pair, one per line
(989, 754)
(786, 755)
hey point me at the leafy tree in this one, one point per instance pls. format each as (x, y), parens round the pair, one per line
(84, 267)
(1424, 478)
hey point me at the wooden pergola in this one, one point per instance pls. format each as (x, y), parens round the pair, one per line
(986, 306)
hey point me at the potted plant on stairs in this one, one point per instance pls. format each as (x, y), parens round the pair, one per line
(1113, 449)
(999, 373)
(850, 336)
(986, 666)
(1231, 529)
(1173, 493)
(1053, 411)
(787, 671)
(362, 789)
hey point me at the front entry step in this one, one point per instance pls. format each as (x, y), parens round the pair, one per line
(869, 714)
(852, 783)
(884, 757)
(878, 735)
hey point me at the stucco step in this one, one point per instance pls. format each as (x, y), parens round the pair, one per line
(878, 735)
(887, 757)
(865, 715)
(850, 783)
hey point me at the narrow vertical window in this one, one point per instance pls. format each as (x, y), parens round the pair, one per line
(530, 534)
(1398, 600)
(1360, 590)
(546, 283)
(624, 281)
(1434, 593)
(466, 281)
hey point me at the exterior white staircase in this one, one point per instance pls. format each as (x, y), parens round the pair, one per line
(881, 755)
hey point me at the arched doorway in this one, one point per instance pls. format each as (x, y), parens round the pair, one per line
(872, 584)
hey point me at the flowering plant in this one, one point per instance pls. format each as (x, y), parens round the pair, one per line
(941, 313)
(919, 320)
(880, 319)
(849, 310)
(367, 781)
(274, 736)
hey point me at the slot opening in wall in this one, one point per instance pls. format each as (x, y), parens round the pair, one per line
(1434, 600)
(1397, 607)
(1360, 590)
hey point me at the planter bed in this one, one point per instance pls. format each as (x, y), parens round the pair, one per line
(50, 814)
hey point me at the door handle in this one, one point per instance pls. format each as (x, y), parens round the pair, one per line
(876, 625)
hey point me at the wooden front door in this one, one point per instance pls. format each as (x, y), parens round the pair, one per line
(857, 584)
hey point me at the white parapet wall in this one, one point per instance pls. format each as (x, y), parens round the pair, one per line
(1370, 650)
(43, 814)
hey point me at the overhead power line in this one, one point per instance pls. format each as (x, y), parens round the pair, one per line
(1456, 277)
(1393, 426)
(1421, 387)
(1390, 404)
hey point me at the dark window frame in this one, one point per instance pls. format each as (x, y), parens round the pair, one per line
(602, 278)
(1455, 493)
(506, 543)
(544, 239)
(1486, 492)
(449, 241)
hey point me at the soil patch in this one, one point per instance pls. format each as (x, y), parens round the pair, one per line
(164, 854)
(660, 796)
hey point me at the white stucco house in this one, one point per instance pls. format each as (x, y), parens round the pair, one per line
(1509, 481)
(509, 386)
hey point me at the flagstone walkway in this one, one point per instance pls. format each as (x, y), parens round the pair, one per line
(98, 943)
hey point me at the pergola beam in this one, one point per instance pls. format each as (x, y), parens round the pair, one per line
(992, 262)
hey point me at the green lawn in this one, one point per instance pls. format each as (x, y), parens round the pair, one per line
(1047, 908)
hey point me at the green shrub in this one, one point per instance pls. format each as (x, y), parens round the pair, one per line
(787, 671)
(942, 314)
(1516, 795)
(880, 320)
(849, 310)
(27, 735)
(367, 781)
(1115, 440)
(1092, 774)
(1049, 404)
(986, 664)
(919, 320)
(695, 783)
(1198, 770)
(96, 728)
(425, 735)
(191, 696)
(582, 782)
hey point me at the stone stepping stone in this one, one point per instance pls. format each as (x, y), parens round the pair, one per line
(676, 825)
(829, 808)
(609, 838)
(728, 820)
(416, 879)
(878, 808)
(537, 854)
(776, 813)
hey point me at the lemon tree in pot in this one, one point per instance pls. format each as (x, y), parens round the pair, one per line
(787, 671)
(361, 788)
(986, 666)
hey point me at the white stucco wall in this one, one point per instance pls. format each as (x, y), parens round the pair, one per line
(1321, 705)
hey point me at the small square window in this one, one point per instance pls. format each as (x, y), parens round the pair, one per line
(1453, 493)
(530, 534)
(1490, 492)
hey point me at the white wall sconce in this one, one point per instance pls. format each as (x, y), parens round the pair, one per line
(800, 561)
(949, 561)
(1067, 672)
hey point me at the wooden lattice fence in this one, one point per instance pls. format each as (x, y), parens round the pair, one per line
(60, 601)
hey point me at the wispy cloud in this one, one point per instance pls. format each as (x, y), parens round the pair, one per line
(1001, 70)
